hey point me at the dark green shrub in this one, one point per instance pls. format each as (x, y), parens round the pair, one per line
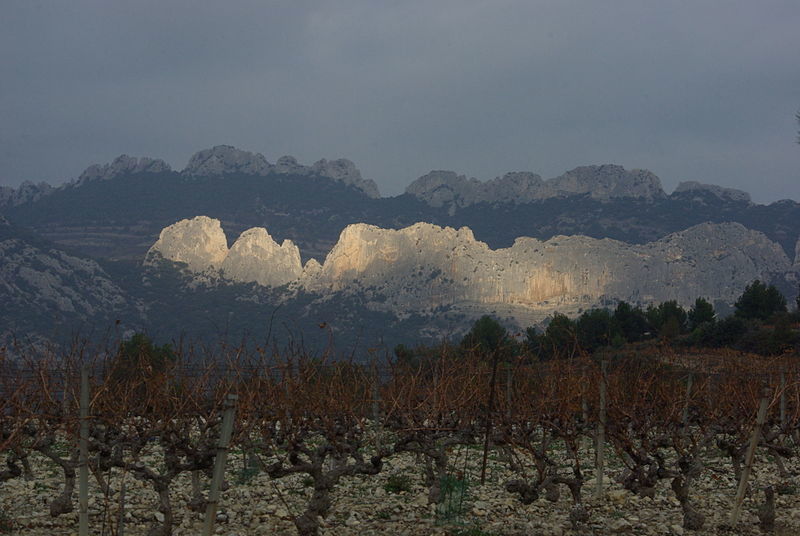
(397, 483)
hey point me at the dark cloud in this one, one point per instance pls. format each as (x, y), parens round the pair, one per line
(701, 91)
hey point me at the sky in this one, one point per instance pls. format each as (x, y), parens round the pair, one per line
(691, 90)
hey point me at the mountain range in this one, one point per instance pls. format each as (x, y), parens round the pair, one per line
(528, 247)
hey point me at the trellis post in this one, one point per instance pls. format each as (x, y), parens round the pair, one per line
(219, 465)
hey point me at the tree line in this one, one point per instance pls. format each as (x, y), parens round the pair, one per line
(761, 323)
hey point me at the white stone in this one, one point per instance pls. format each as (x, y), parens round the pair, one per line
(256, 257)
(198, 242)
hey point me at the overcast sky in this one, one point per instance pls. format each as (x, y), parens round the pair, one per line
(690, 90)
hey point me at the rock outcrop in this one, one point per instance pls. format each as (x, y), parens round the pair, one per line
(345, 171)
(122, 165)
(27, 192)
(200, 243)
(446, 188)
(422, 267)
(50, 295)
(797, 256)
(256, 257)
(726, 194)
(225, 159)
(434, 266)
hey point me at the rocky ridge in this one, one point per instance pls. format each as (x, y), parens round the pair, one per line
(422, 267)
(217, 161)
(603, 182)
(43, 286)
(224, 159)
(730, 194)
(26, 193)
(446, 188)
(122, 165)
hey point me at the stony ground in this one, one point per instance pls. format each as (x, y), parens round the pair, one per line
(255, 504)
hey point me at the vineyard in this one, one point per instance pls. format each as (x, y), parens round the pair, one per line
(252, 442)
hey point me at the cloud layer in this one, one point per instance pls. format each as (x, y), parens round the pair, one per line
(702, 91)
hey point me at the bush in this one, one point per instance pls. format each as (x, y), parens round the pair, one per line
(397, 483)
(726, 332)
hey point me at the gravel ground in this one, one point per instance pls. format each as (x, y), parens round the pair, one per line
(255, 504)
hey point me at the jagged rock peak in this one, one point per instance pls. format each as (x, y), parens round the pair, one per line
(25, 193)
(726, 194)
(123, 164)
(288, 165)
(256, 257)
(199, 242)
(341, 170)
(312, 269)
(369, 251)
(345, 171)
(608, 181)
(440, 188)
(225, 159)
(446, 188)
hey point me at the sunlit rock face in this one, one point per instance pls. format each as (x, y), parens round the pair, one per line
(121, 165)
(446, 188)
(424, 266)
(224, 159)
(199, 242)
(427, 264)
(256, 257)
(726, 194)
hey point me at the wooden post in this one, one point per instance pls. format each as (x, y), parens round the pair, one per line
(489, 410)
(509, 387)
(376, 393)
(376, 405)
(783, 405)
(601, 431)
(219, 465)
(83, 452)
(748, 461)
(121, 515)
(685, 417)
(585, 415)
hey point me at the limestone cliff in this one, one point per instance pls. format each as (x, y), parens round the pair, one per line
(200, 243)
(422, 267)
(430, 266)
(256, 257)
